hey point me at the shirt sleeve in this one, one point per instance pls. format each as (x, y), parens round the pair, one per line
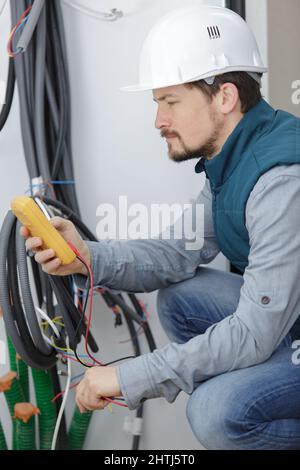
(148, 265)
(268, 307)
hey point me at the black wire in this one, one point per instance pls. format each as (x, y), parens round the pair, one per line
(79, 360)
(9, 94)
(81, 321)
(62, 95)
(118, 360)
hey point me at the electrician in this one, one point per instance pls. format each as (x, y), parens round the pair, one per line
(231, 334)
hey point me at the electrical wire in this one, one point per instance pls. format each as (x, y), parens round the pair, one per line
(10, 87)
(35, 13)
(113, 15)
(49, 321)
(63, 405)
(110, 400)
(16, 28)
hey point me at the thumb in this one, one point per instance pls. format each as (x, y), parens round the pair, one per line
(24, 232)
(58, 222)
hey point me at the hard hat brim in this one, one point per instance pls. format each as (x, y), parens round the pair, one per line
(132, 88)
(139, 87)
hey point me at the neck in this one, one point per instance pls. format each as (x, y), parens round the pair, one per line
(230, 123)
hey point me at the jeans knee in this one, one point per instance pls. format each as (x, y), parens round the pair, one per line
(166, 311)
(215, 427)
(164, 299)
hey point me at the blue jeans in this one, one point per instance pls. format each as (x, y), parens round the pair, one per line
(253, 408)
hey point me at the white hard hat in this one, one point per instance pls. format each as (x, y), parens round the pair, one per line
(194, 43)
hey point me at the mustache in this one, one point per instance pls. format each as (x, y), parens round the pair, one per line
(166, 134)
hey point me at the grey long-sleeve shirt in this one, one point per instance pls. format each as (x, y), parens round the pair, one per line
(253, 332)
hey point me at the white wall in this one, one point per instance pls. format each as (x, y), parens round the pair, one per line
(284, 53)
(256, 13)
(275, 24)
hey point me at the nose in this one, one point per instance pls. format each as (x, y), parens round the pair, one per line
(162, 120)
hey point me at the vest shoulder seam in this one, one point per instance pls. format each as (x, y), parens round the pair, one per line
(252, 196)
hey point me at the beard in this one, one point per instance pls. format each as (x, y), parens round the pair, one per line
(207, 150)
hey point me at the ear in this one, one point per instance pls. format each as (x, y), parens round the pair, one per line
(228, 98)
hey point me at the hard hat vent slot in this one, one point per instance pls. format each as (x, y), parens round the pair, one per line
(214, 32)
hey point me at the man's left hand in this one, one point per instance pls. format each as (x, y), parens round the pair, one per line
(98, 383)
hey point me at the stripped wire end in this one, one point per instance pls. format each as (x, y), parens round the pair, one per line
(14, 31)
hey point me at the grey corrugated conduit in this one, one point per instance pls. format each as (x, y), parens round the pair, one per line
(17, 330)
(29, 307)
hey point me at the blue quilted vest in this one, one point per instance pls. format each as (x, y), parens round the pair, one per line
(263, 139)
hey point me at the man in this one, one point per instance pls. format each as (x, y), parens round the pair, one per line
(230, 334)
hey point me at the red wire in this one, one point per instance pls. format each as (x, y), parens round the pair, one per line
(61, 393)
(104, 398)
(89, 319)
(9, 45)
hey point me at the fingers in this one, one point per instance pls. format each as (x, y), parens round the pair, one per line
(87, 401)
(83, 408)
(24, 232)
(33, 244)
(59, 223)
(52, 266)
(44, 256)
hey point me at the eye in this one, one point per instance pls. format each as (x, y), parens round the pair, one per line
(172, 103)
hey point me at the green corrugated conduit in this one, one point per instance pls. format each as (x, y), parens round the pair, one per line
(25, 433)
(78, 429)
(3, 445)
(47, 418)
(18, 366)
(13, 396)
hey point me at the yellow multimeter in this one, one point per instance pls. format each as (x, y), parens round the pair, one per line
(32, 217)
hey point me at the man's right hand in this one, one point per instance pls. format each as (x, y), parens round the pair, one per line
(47, 258)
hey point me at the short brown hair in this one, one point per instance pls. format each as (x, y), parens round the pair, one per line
(249, 89)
